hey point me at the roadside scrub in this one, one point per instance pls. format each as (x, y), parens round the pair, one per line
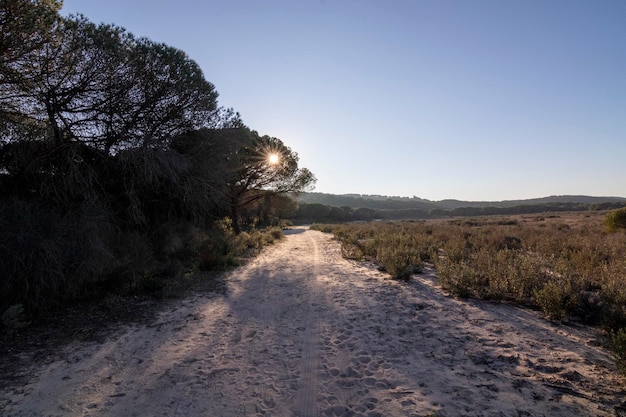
(566, 265)
(50, 263)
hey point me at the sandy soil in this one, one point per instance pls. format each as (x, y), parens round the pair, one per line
(303, 332)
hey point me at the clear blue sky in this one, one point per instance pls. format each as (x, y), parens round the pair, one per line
(473, 100)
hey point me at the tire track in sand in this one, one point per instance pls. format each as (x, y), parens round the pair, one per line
(306, 400)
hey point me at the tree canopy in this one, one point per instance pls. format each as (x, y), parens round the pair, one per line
(264, 165)
(100, 85)
(107, 140)
(245, 164)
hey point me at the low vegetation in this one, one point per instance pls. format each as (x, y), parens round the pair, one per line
(616, 220)
(567, 265)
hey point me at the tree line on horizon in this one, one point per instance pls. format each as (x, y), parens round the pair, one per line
(384, 202)
(112, 148)
(318, 212)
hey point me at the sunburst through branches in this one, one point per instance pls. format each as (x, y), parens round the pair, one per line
(273, 158)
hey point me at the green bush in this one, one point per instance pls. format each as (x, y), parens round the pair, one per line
(213, 251)
(399, 260)
(325, 228)
(276, 233)
(553, 299)
(222, 248)
(616, 220)
(618, 345)
(458, 278)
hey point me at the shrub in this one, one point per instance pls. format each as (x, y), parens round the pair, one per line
(276, 233)
(14, 318)
(457, 278)
(133, 265)
(222, 248)
(618, 345)
(553, 299)
(325, 228)
(615, 220)
(212, 252)
(48, 256)
(398, 258)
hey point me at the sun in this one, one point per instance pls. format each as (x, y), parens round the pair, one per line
(273, 158)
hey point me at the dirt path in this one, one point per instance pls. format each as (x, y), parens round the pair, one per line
(303, 332)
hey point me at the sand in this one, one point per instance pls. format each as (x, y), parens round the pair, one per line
(304, 332)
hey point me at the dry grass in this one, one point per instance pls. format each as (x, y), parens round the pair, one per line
(565, 264)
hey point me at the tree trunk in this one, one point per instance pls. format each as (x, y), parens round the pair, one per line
(234, 214)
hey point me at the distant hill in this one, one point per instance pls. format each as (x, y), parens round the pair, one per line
(392, 202)
(379, 202)
(364, 206)
(569, 199)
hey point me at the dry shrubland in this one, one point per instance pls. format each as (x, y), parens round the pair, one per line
(567, 265)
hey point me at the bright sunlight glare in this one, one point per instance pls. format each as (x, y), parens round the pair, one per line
(273, 158)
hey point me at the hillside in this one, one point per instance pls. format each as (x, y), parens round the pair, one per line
(379, 202)
(363, 207)
(393, 202)
(555, 199)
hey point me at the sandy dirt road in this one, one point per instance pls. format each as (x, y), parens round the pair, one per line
(303, 332)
